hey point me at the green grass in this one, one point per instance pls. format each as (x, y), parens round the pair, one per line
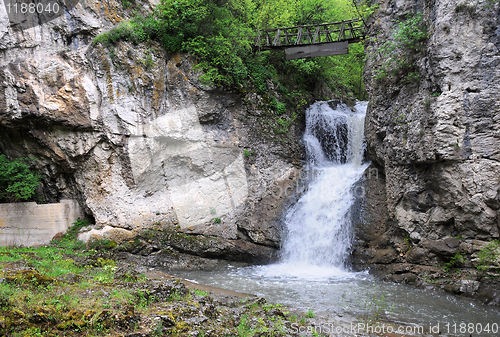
(200, 292)
(310, 314)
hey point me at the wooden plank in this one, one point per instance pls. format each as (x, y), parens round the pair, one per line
(316, 50)
(342, 32)
(299, 36)
(322, 24)
(316, 34)
(277, 40)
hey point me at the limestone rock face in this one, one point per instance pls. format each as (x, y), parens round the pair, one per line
(436, 140)
(133, 134)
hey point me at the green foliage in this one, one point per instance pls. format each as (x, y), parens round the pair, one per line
(410, 34)
(69, 239)
(310, 313)
(399, 53)
(101, 245)
(243, 329)
(17, 181)
(200, 292)
(411, 77)
(247, 153)
(148, 61)
(220, 33)
(408, 242)
(217, 220)
(488, 255)
(454, 262)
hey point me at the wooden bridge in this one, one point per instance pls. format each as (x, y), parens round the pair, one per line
(313, 40)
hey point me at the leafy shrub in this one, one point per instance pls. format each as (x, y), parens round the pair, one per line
(399, 53)
(488, 255)
(454, 262)
(17, 181)
(69, 239)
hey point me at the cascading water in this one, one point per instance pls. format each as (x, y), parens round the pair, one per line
(318, 227)
(319, 230)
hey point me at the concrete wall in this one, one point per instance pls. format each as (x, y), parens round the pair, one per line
(28, 224)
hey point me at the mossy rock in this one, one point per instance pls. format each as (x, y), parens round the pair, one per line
(104, 244)
(167, 319)
(39, 317)
(182, 326)
(105, 318)
(30, 276)
(89, 314)
(16, 317)
(4, 323)
(72, 324)
(74, 315)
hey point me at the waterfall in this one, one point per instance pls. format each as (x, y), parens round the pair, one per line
(318, 232)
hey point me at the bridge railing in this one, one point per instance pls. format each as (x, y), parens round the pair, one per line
(279, 38)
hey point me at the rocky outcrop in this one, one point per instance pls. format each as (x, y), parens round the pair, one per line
(434, 140)
(134, 136)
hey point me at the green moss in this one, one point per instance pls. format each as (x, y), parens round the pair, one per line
(28, 276)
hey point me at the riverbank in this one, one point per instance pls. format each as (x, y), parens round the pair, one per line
(67, 288)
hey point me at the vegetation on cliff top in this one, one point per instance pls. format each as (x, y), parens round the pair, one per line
(221, 34)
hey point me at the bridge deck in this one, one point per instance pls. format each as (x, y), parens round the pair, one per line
(350, 31)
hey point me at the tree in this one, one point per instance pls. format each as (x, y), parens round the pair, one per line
(17, 181)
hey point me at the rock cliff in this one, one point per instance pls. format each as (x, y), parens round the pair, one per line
(135, 137)
(434, 141)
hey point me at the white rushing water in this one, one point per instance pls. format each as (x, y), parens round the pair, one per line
(318, 227)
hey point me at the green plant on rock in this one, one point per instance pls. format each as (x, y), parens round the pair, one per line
(244, 329)
(69, 239)
(199, 292)
(488, 256)
(399, 53)
(408, 242)
(310, 314)
(148, 61)
(455, 261)
(17, 181)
